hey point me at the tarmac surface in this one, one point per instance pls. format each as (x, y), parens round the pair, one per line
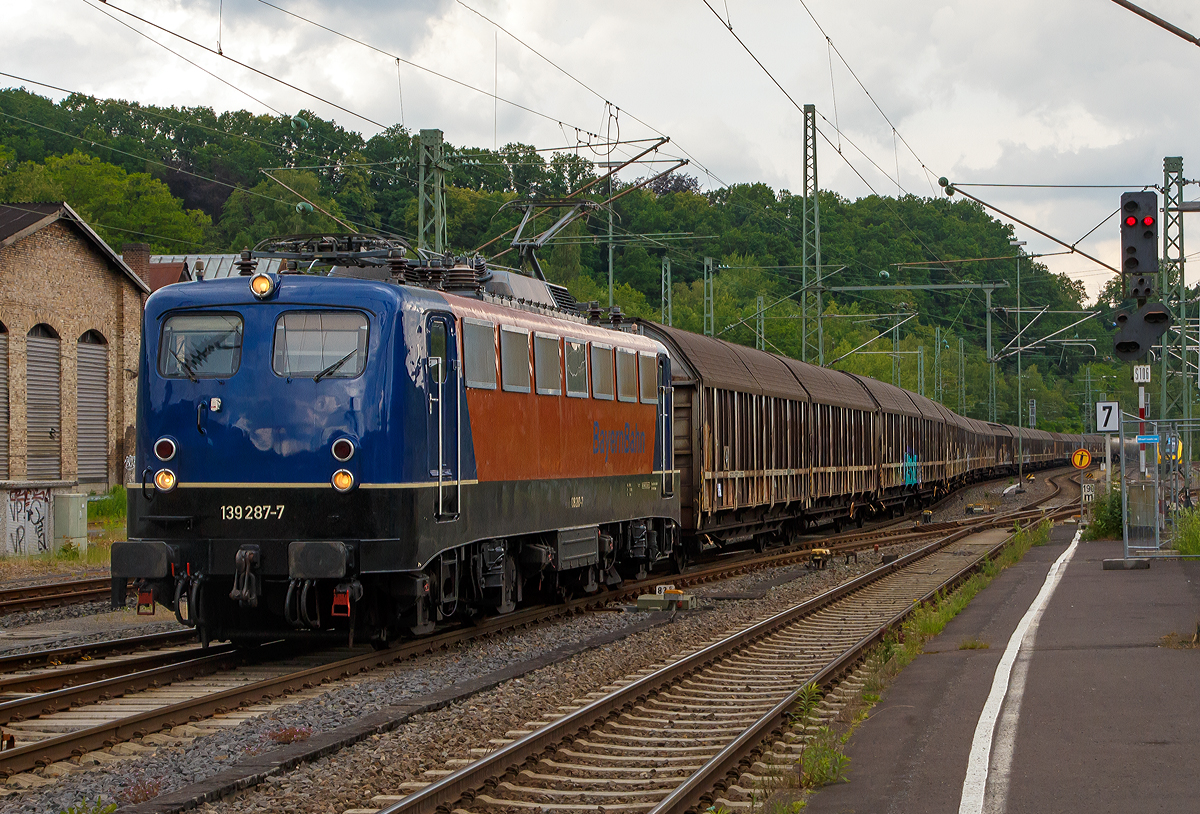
(1100, 713)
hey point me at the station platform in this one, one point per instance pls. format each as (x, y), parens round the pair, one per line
(1098, 713)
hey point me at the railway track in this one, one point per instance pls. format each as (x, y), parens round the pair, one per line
(54, 594)
(54, 717)
(663, 741)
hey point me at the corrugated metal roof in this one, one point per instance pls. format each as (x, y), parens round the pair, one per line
(215, 265)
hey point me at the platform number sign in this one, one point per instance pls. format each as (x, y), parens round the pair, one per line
(1081, 458)
(1108, 416)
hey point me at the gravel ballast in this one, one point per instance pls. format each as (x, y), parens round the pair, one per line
(352, 776)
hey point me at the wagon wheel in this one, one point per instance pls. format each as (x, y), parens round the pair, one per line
(679, 558)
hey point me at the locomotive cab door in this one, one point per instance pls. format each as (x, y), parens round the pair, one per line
(444, 394)
(666, 426)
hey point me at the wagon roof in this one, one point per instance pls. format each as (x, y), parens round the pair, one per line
(832, 387)
(729, 366)
(891, 398)
(932, 410)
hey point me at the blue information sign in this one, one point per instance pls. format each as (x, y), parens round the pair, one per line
(1147, 439)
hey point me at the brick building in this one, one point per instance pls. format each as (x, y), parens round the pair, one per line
(70, 326)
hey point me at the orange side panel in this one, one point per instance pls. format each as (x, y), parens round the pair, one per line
(524, 436)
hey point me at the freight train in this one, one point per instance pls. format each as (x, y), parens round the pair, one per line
(395, 442)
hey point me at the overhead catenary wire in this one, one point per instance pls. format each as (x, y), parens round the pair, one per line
(416, 65)
(241, 64)
(170, 50)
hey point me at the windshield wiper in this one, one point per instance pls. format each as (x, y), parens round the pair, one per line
(333, 368)
(191, 374)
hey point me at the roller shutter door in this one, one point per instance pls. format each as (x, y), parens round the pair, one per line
(43, 408)
(3, 406)
(93, 412)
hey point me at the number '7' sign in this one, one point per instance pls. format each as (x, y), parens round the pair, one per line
(1108, 416)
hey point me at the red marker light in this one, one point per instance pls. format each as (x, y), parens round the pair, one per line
(1148, 220)
(1131, 220)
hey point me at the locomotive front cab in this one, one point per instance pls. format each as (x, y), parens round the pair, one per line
(261, 412)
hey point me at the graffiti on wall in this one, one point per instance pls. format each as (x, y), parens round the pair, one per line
(27, 521)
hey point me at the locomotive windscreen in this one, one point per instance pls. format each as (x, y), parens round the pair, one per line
(312, 343)
(201, 346)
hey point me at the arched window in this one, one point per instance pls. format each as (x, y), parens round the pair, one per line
(43, 403)
(92, 407)
(3, 402)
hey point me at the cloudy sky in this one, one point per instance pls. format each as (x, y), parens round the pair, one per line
(1062, 93)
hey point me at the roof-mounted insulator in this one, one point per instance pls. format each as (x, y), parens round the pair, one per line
(593, 312)
(397, 265)
(245, 265)
(462, 277)
(615, 316)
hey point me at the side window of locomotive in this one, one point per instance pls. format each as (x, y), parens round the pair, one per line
(479, 350)
(602, 371)
(437, 350)
(648, 377)
(320, 344)
(577, 368)
(514, 359)
(627, 379)
(200, 346)
(547, 365)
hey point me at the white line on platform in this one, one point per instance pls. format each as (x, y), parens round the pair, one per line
(976, 780)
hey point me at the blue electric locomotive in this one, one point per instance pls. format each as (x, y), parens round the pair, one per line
(369, 450)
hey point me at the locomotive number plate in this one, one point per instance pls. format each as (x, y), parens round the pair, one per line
(252, 512)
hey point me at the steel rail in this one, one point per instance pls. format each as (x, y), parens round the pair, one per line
(47, 595)
(61, 655)
(696, 789)
(455, 786)
(53, 693)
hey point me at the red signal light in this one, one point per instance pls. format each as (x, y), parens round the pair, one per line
(1148, 220)
(1131, 220)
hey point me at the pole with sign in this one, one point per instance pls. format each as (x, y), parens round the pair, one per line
(1108, 419)
(1141, 377)
(1081, 459)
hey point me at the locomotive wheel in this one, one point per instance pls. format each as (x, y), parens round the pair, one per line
(508, 590)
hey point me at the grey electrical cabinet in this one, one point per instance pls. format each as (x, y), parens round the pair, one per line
(70, 522)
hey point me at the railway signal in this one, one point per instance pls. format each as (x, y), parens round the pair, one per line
(1139, 242)
(1136, 333)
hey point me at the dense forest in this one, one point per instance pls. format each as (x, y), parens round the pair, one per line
(190, 180)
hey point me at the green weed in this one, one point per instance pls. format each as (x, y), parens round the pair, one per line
(1186, 538)
(1106, 517)
(98, 807)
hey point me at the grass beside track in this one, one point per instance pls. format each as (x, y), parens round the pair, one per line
(824, 760)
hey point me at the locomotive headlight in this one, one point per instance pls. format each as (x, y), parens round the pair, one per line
(343, 449)
(261, 285)
(342, 480)
(164, 449)
(164, 479)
